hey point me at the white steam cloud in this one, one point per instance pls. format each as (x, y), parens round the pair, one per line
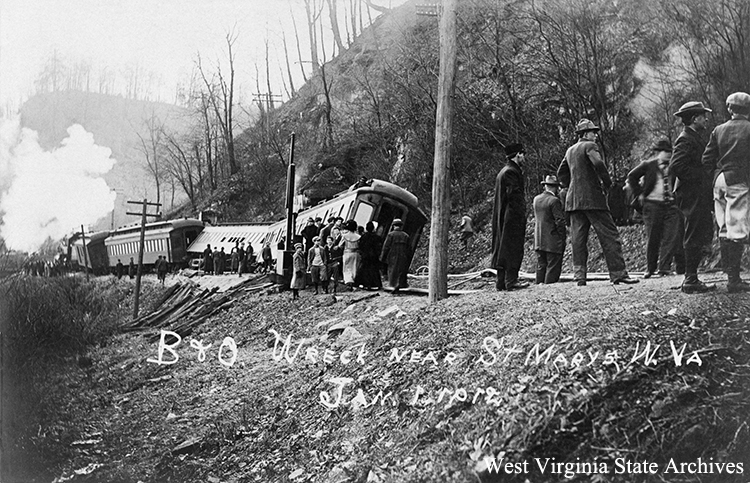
(48, 194)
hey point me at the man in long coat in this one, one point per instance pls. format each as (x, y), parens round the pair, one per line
(549, 232)
(396, 254)
(585, 175)
(692, 192)
(509, 221)
(727, 155)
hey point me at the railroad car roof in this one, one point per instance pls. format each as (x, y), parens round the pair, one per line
(227, 235)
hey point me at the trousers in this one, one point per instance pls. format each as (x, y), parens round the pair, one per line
(609, 238)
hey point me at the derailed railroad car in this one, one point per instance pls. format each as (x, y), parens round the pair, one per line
(94, 257)
(375, 200)
(170, 239)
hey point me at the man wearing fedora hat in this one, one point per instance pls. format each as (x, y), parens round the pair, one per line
(649, 183)
(549, 232)
(509, 221)
(692, 191)
(585, 175)
(727, 155)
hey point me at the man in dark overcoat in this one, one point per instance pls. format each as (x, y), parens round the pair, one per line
(585, 175)
(509, 221)
(692, 191)
(549, 232)
(396, 254)
(727, 156)
(208, 260)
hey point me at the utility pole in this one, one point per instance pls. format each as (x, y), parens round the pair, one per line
(143, 216)
(438, 263)
(85, 255)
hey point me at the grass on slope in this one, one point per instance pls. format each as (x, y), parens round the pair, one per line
(125, 419)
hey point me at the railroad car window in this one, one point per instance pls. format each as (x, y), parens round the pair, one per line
(364, 213)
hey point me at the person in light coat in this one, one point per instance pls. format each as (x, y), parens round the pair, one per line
(299, 271)
(727, 157)
(549, 232)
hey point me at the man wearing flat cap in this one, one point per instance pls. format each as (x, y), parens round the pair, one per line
(509, 221)
(649, 182)
(585, 175)
(692, 192)
(549, 232)
(727, 156)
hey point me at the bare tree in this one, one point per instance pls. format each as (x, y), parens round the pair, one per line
(221, 99)
(335, 24)
(151, 147)
(299, 49)
(288, 66)
(313, 12)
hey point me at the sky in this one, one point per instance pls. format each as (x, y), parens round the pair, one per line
(161, 37)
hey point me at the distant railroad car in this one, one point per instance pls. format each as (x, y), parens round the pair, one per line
(169, 238)
(227, 236)
(378, 201)
(94, 258)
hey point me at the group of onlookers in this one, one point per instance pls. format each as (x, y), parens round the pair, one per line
(676, 189)
(350, 253)
(241, 259)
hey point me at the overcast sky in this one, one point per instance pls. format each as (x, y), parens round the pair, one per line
(160, 37)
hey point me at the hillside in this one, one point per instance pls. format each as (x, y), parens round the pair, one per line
(115, 123)
(553, 373)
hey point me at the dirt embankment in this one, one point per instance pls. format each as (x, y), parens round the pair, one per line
(540, 378)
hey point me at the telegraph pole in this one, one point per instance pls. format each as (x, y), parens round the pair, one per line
(143, 216)
(438, 263)
(85, 255)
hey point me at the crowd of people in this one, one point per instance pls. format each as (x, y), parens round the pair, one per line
(239, 261)
(349, 253)
(685, 193)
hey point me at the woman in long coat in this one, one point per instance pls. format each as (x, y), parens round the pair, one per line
(370, 246)
(396, 254)
(299, 271)
(350, 241)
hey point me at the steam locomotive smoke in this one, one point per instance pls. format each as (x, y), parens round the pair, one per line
(48, 194)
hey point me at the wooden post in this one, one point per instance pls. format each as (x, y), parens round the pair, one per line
(140, 261)
(440, 219)
(85, 255)
(141, 247)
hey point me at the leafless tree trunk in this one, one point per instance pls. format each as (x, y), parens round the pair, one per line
(151, 146)
(288, 67)
(299, 50)
(313, 14)
(223, 103)
(335, 24)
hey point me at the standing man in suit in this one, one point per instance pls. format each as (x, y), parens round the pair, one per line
(585, 175)
(649, 183)
(549, 232)
(692, 192)
(727, 156)
(509, 221)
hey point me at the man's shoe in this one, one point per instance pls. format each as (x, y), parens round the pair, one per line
(737, 287)
(581, 283)
(517, 285)
(625, 280)
(697, 287)
(648, 274)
